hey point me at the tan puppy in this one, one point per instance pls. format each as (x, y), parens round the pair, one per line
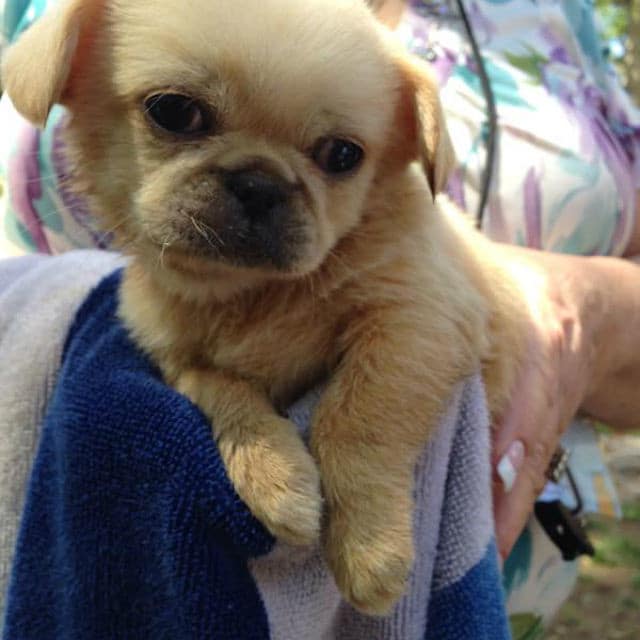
(256, 159)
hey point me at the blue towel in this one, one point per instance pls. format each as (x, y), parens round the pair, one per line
(132, 531)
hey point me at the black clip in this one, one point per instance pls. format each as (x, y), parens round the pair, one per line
(565, 527)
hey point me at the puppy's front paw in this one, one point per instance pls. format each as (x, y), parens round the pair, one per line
(370, 561)
(277, 479)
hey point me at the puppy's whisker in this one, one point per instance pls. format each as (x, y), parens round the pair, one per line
(201, 228)
(311, 284)
(165, 246)
(362, 233)
(237, 232)
(343, 263)
(211, 231)
(116, 226)
(123, 246)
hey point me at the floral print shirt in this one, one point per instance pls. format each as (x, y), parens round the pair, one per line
(568, 144)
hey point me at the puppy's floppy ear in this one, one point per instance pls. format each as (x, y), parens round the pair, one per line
(422, 122)
(37, 70)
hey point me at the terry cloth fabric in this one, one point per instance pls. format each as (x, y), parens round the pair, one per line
(130, 528)
(38, 301)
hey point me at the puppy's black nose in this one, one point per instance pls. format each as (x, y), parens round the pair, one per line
(258, 192)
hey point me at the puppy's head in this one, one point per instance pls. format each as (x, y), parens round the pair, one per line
(244, 136)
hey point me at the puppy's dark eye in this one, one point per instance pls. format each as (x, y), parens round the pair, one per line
(178, 114)
(335, 155)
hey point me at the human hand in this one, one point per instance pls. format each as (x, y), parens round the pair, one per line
(550, 388)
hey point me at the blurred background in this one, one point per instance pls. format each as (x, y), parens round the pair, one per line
(620, 21)
(606, 602)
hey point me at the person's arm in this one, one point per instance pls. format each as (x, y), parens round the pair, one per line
(584, 356)
(633, 247)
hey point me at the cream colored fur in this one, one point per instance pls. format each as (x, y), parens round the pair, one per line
(393, 297)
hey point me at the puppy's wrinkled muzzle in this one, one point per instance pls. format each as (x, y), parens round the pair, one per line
(247, 217)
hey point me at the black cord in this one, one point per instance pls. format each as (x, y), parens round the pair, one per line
(488, 171)
(491, 113)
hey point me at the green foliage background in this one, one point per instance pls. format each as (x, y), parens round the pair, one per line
(621, 19)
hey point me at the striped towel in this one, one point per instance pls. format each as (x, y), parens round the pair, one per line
(130, 529)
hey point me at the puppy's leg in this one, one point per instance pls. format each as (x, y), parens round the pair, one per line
(265, 458)
(371, 425)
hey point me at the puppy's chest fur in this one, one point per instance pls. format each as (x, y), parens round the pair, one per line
(282, 339)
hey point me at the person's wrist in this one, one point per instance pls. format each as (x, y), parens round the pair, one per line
(615, 321)
(582, 304)
(592, 295)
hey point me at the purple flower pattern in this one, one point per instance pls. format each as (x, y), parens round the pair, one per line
(566, 174)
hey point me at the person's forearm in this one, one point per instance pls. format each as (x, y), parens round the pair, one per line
(596, 304)
(582, 354)
(613, 395)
